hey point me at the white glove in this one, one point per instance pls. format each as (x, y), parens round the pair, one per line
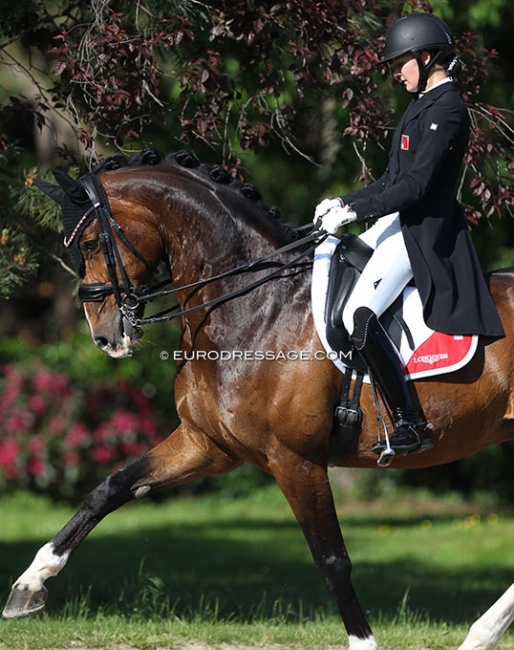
(325, 206)
(332, 220)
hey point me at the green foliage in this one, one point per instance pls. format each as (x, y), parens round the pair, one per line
(479, 14)
(18, 259)
(33, 204)
(18, 262)
(29, 222)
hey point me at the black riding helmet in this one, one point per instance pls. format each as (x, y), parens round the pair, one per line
(416, 33)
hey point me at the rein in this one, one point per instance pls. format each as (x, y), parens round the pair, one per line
(134, 298)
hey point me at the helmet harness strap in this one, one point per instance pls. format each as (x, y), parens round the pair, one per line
(424, 70)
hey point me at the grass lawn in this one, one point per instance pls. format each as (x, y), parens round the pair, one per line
(164, 574)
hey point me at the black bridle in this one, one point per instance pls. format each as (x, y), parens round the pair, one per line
(96, 292)
(129, 299)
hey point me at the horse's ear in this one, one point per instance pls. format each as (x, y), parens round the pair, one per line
(67, 187)
(53, 191)
(71, 187)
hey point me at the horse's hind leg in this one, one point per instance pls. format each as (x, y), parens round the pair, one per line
(307, 489)
(487, 631)
(184, 456)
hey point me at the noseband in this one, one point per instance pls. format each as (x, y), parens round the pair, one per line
(128, 298)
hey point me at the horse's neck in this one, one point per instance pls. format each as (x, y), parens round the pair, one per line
(206, 242)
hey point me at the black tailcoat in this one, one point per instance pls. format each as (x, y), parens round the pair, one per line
(426, 155)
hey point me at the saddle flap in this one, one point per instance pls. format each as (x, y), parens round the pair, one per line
(350, 257)
(354, 251)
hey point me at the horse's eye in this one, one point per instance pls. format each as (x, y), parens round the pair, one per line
(90, 247)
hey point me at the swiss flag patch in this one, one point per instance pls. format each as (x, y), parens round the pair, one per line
(405, 143)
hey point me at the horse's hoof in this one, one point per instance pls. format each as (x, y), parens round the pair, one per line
(22, 602)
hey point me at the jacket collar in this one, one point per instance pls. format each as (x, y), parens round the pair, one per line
(428, 98)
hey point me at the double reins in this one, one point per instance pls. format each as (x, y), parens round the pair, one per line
(133, 298)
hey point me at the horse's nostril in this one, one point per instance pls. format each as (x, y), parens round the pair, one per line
(101, 342)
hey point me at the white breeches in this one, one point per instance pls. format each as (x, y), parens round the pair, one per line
(385, 275)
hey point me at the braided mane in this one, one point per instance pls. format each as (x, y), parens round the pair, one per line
(216, 173)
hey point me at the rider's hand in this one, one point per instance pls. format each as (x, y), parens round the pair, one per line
(325, 206)
(336, 217)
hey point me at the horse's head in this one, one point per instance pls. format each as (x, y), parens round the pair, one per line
(115, 247)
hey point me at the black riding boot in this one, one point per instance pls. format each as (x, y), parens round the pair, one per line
(370, 339)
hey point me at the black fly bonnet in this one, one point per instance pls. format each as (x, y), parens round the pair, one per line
(78, 210)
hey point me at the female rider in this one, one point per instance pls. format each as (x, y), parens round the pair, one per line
(420, 230)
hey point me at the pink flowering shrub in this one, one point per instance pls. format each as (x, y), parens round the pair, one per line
(62, 438)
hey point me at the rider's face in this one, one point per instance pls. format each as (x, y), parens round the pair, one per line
(406, 71)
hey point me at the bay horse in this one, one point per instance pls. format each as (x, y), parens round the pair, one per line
(272, 410)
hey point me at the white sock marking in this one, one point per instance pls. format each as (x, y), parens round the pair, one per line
(45, 565)
(370, 643)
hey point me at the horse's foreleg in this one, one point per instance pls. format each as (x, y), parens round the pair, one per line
(307, 489)
(28, 594)
(487, 631)
(184, 456)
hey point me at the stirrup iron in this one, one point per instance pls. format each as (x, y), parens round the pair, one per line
(386, 457)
